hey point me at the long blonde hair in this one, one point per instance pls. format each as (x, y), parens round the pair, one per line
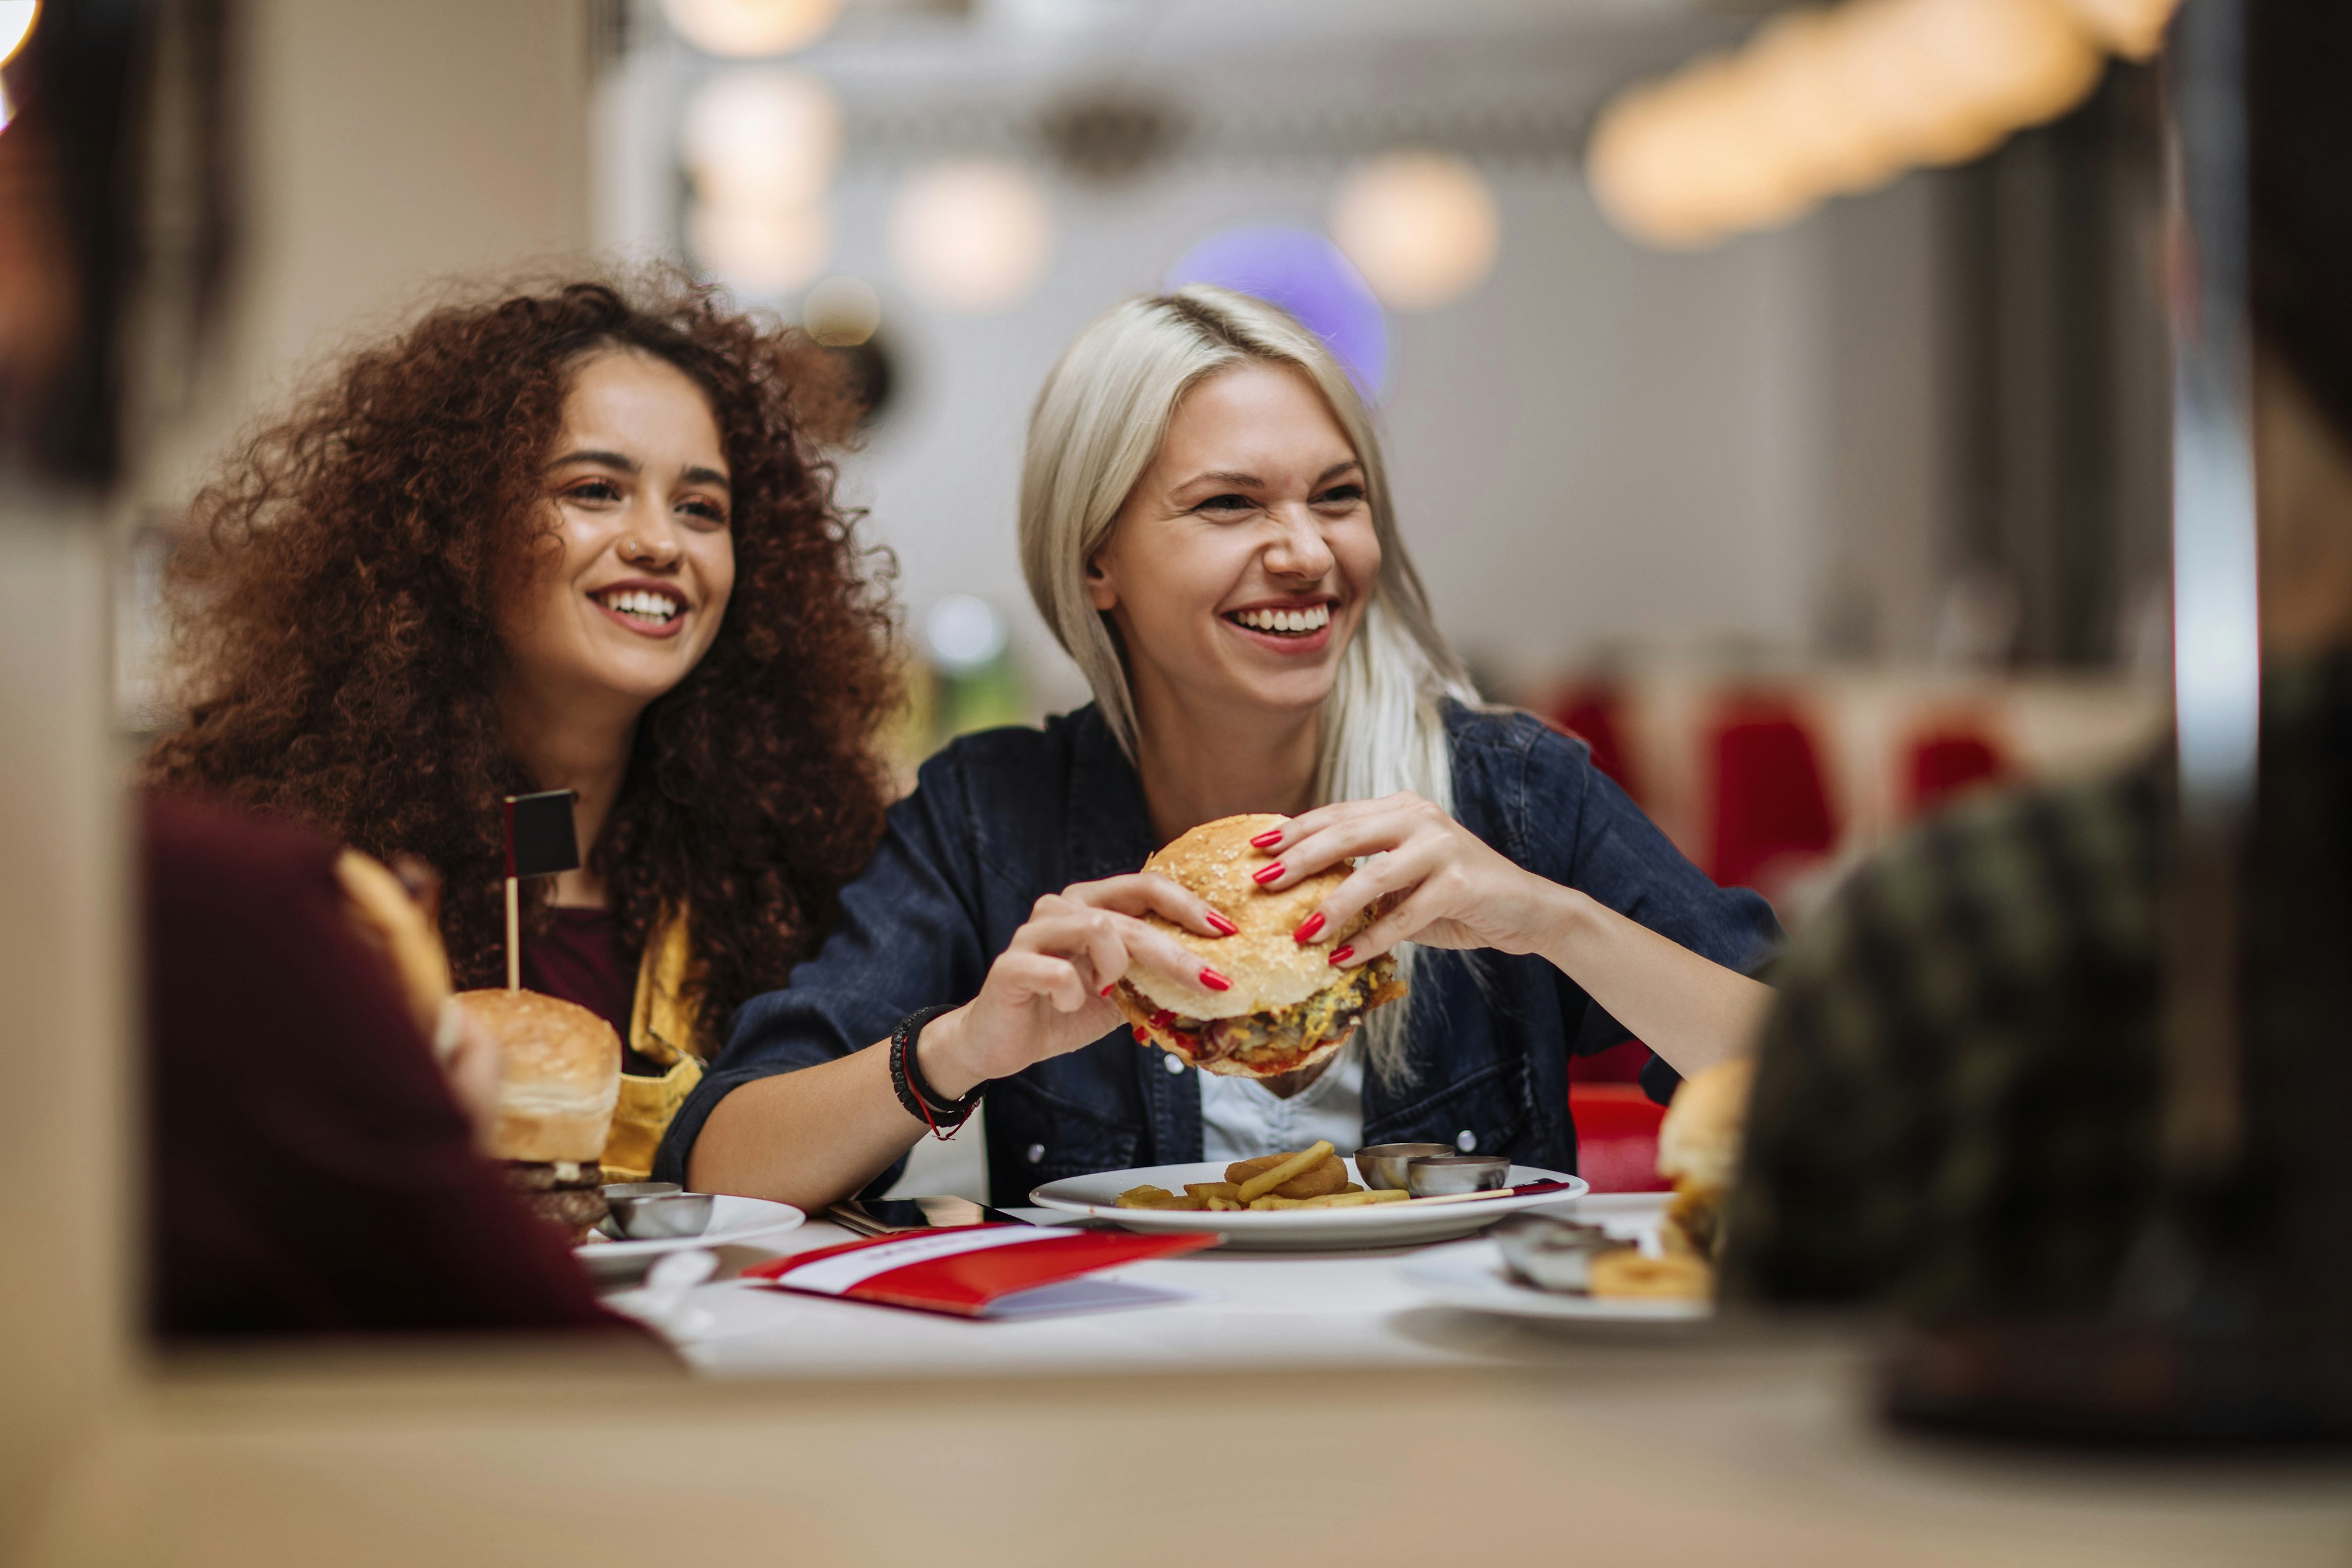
(1098, 424)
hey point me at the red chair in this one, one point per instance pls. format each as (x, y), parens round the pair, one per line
(1616, 1137)
(1593, 713)
(1618, 1064)
(1770, 806)
(1942, 763)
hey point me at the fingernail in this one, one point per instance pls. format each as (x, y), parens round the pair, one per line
(1266, 874)
(1223, 926)
(1268, 839)
(1341, 956)
(1214, 981)
(1306, 930)
(1109, 989)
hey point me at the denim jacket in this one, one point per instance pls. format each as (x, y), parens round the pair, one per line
(998, 820)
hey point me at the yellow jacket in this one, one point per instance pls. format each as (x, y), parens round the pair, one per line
(662, 1028)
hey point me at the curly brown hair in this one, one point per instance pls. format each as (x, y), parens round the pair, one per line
(334, 616)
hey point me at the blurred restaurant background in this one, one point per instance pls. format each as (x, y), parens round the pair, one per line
(1798, 439)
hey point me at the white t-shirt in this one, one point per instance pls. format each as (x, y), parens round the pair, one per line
(1240, 1118)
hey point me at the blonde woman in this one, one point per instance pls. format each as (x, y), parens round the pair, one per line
(1206, 526)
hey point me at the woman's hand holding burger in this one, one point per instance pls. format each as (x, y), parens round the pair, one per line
(1044, 995)
(1446, 887)
(1449, 887)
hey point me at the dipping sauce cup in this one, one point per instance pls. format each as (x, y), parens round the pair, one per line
(1381, 1167)
(1441, 1175)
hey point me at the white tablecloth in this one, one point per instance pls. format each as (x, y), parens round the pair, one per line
(1240, 1311)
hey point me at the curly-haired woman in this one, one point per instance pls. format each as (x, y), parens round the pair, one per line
(580, 538)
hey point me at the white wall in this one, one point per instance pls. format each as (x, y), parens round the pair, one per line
(1600, 445)
(386, 148)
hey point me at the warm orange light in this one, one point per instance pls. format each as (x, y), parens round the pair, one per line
(748, 29)
(2132, 28)
(972, 234)
(1824, 103)
(1420, 227)
(17, 19)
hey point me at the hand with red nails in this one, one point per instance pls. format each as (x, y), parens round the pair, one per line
(1044, 994)
(1447, 887)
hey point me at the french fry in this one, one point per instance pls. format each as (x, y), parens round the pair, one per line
(1264, 1182)
(1141, 1198)
(1227, 1190)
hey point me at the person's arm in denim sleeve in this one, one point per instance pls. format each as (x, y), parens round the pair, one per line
(1584, 831)
(909, 936)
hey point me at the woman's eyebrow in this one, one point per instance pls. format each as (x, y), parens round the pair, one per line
(705, 476)
(1244, 481)
(1335, 470)
(627, 465)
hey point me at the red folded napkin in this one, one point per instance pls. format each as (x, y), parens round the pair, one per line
(983, 1270)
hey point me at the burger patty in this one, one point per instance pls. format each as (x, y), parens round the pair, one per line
(1331, 1014)
(551, 1175)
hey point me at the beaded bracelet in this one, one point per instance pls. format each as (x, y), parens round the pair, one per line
(924, 1103)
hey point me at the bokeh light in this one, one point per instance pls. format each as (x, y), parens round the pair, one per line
(771, 136)
(2132, 28)
(17, 19)
(1420, 227)
(1307, 275)
(748, 29)
(964, 633)
(1824, 103)
(761, 248)
(972, 234)
(842, 312)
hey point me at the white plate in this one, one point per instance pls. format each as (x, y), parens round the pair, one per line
(1291, 1230)
(733, 1220)
(1473, 1275)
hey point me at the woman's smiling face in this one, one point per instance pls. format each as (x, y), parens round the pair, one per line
(1239, 568)
(637, 589)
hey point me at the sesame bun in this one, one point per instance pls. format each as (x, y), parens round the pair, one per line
(1269, 970)
(559, 1077)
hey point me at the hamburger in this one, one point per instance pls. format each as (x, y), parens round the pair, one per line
(558, 1080)
(1699, 1150)
(1289, 1007)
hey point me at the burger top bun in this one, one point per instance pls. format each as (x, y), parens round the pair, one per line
(1698, 1142)
(559, 1075)
(1269, 970)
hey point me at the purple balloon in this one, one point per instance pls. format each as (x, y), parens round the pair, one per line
(1307, 275)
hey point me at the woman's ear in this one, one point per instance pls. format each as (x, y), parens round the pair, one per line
(1101, 592)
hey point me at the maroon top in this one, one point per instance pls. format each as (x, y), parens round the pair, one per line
(580, 958)
(310, 1173)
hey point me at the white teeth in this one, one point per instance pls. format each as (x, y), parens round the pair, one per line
(644, 606)
(1314, 618)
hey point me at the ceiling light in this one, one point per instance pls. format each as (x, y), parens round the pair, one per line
(748, 29)
(973, 234)
(769, 135)
(1420, 227)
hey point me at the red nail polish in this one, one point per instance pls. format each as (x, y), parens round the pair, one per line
(1109, 988)
(1307, 930)
(1214, 981)
(1268, 839)
(1223, 926)
(1341, 956)
(1266, 874)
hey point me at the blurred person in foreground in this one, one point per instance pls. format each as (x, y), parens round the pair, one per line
(1958, 1103)
(1207, 527)
(311, 1168)
(581, 539)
